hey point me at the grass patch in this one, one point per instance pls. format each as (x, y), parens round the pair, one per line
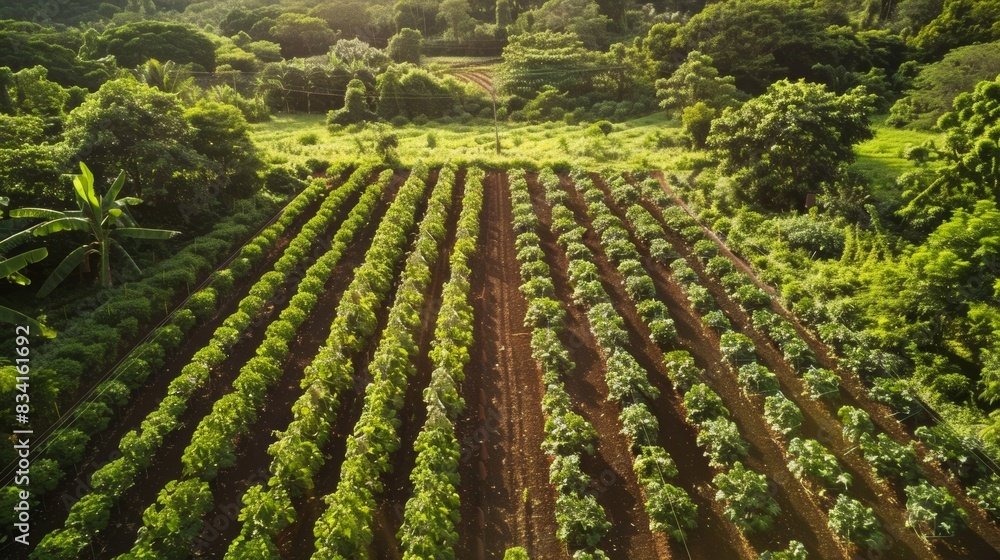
(882, 156)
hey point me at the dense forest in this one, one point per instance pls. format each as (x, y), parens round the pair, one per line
(847, 151)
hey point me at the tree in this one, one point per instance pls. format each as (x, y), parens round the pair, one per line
(938, 84)
(132, 127)
(694, 81)
(222, 134)
(790, 141)
(457, 15)
(355, 107)
(133, 44)
(532, 60)
(405, 46)
(164, 76)
(582, 18)
(301, 36)
(697, 121)
(97, 216)
(855, 523)
(10, 268)
(960, 22)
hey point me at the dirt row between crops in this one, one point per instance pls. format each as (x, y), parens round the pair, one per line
(506, 499)
(982, 542)
(103, 448)
(801, 518)
(388, 517)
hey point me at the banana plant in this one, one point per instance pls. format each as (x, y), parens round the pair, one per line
(10, 270)
(105, 218)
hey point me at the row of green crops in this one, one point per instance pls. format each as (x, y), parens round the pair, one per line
(297, 454)
(931, 510)
(91, 514)
(170, 525)
(581, 520)
(432, 513)
(344, 530)
(808, 459)
(669, 507)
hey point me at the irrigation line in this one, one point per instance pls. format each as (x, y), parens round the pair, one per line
(116, 370)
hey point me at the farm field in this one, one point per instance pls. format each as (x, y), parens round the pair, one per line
(467, 359)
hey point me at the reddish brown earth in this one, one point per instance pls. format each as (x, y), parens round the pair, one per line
(502, 429)
(984, 539)
(398, 488)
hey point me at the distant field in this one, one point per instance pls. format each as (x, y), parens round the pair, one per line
(882, 156)
(629, 146)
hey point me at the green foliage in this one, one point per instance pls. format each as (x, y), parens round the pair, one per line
(405, 46)
(933, 511)
(355, 108)
(697, 81)
(301, 36)
(582, 522)
(532, 60)
(821, 384)
(581, 18)
(748, 502)
(960, 22)
(792, 140)
(855, 523)
(783, 415)
(795, 551)
(938, 84)
(889, 458)
(105, 218)
(697, 120)
(811, 460)
(134, 43)
(516, 553)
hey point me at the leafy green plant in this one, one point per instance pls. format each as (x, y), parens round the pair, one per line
(748, 503)
(855, 523)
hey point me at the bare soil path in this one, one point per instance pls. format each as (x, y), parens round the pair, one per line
(505, 492)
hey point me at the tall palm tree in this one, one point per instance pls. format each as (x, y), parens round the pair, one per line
(104, 218)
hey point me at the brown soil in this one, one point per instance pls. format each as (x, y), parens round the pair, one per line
(802, 517)
(253, 464)
(502, 430)
(388, 517)
(984, 540)
(616, 487)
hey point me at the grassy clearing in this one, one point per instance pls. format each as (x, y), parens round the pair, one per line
(882, 156)
(296, 138)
